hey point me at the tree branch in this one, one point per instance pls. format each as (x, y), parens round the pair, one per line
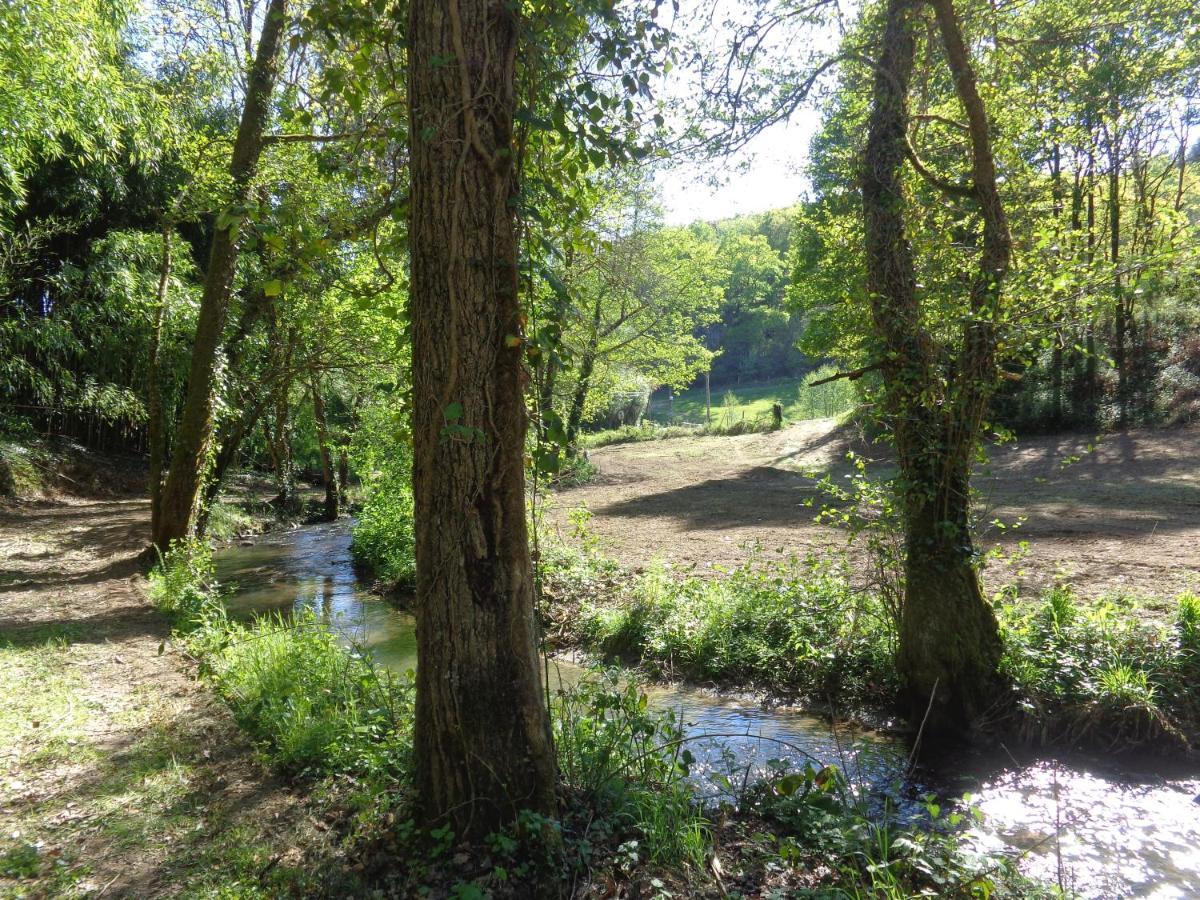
(853, 375)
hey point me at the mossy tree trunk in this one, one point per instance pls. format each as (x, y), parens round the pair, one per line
(949, 647)
(194, 434)
(482, 747)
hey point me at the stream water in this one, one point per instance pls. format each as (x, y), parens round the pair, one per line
(1105, 828)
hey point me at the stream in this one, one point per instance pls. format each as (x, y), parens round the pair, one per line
(1104, 827)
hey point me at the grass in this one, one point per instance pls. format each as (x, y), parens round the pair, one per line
(649, 431)
(320, 711)
(749, 403)
(231, 519)
(316, 707)
(1099, 673)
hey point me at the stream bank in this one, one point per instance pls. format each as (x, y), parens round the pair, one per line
(1102, 827)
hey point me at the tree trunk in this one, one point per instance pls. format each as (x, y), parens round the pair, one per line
(228, 444)
(949, 645)
(287, 501)
(1121, 317)
(196, 422)
(482, 748)
(583, 383)
(343, 476)
(327, 477)
(154, 412)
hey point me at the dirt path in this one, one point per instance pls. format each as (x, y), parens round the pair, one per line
(119, 774)
(1123, 516)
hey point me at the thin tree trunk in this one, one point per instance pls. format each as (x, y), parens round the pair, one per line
(327, 476)
(343, 476)
(482, 747)
(154, 412)
(1121, 318)
(583, 383)
(196, 423)
(229, 441)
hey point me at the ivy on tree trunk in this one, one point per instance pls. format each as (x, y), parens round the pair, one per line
(949, 648)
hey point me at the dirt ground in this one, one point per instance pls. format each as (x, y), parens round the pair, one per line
(1112, 513)
(120, 775)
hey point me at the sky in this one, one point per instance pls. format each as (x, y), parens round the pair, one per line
(765, 175)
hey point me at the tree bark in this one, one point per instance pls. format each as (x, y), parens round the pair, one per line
(482, 749)
(196, 423)
(949, 646)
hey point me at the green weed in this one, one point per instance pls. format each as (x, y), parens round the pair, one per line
(626, 763)
(1099, 672)
(791, 625)
(384, 537)
(317, 707)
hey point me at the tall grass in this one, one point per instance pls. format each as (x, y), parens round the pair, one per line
(317, 706)
(626, 763)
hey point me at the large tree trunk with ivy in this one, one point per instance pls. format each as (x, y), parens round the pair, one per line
(482, 747)
(196, 423)
(949, 647)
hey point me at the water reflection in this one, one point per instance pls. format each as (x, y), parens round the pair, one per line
(1104, 832)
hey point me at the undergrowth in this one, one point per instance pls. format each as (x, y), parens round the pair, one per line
(1081, 673)
(794, 626)
(1100, 673)
(816, 820)
(384, 540)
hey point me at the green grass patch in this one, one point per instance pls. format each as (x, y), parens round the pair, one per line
(231, 519)
(318, 707)
(750, 403)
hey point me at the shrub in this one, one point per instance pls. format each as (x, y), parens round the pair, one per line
(627, 764)
(183, 585)
(1094, 672)
(384, 537)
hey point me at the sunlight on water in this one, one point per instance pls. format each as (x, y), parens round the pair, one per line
(1101, 832)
